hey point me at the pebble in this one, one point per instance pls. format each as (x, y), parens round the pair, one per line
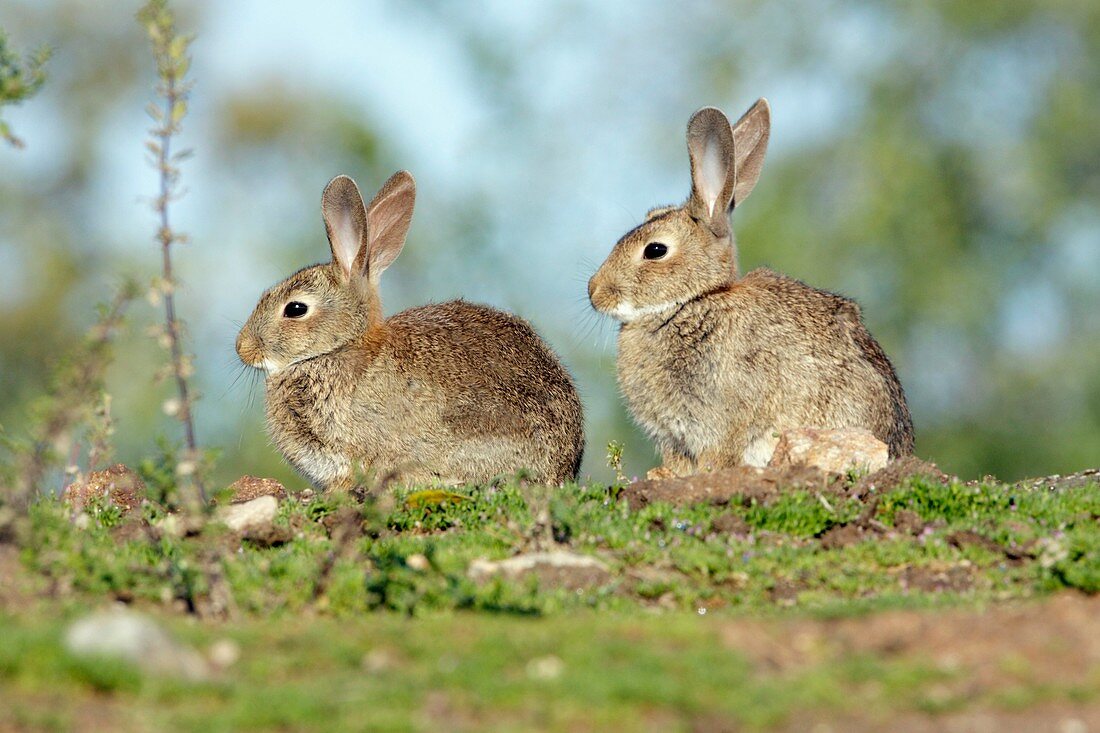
(223, 653)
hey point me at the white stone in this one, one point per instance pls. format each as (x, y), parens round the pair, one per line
(251, 515)
(830, 450)
(554, 568)
(137, 639)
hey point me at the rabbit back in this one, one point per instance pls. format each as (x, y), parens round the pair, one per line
(453, 392)
(727, 370)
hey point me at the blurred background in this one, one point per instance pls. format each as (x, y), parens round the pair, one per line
(937, 161)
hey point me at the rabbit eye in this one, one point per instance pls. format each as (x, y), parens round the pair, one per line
(295, 309)
(655, 251)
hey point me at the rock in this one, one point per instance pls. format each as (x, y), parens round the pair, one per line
(255, 516)
(553, 569)
(247, 488)
(137, 639)
(829, 450)
(121, 486)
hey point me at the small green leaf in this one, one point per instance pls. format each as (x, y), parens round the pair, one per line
(433, 497)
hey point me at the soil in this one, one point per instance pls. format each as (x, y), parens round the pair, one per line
(247, 488)
(843, 535)
(119, 484)
(1014, 554)
(1057, 640)
(896, 473)
(744, 483)
(984, 653)
(1056, 717)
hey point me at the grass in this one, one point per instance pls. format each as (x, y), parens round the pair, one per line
(400, 674)
(385, 630)
(681, 557)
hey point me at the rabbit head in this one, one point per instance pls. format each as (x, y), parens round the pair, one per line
(321, 308)
(679, 253)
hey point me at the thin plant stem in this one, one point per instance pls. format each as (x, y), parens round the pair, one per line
(76, 386)
(170, 50)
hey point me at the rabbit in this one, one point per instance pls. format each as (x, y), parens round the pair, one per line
(712, 364)
(438, 394)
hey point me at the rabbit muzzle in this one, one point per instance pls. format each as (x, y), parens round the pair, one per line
(250, 350)
(610, 300)
(603, 296)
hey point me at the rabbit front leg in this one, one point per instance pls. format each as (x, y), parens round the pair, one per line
(739, 450)
(673, 464)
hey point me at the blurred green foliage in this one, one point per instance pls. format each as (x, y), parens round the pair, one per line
(938, 161)
(19, 80)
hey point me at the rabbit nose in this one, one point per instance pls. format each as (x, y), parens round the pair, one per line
(601, 294)
(247, 347)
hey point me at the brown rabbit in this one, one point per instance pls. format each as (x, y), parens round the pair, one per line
(450, 393)
(712, 364)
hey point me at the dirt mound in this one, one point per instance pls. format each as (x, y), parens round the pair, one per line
(118, 484)
(748, 483)
(744, 483)
(896, 473)
(249, 487)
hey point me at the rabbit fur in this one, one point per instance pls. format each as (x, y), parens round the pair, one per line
(443, 393)
(713, 364)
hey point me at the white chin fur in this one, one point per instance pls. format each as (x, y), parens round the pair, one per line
(626, 312)
(268, 366)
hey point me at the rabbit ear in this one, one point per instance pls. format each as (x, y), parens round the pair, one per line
(346, 225)
(750, 142)
(388, 218)
(710, 147)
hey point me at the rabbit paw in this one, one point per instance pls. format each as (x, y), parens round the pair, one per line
(660, 473)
